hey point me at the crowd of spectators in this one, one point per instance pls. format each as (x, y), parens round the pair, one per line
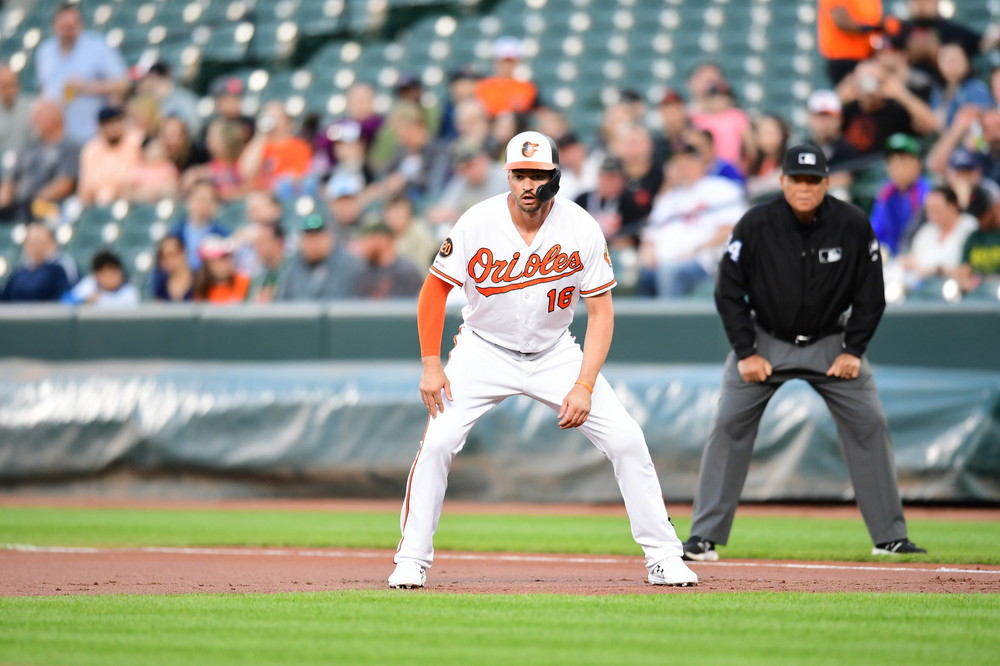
(911, 131)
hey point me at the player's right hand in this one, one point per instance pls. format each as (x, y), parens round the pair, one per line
(754, 369)
(432, 382)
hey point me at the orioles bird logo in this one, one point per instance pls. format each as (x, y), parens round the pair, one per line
(529, 149)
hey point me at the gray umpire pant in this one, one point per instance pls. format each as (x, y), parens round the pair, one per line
(861, 426)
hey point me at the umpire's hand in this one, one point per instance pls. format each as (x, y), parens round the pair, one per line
(754, 369)
(845, 366)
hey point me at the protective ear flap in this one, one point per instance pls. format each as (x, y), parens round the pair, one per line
(549, 189)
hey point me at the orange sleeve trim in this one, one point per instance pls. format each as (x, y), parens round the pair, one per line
(445, 276)
(604, 287)
(430, 314)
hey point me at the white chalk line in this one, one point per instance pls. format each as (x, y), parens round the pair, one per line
(479, 557)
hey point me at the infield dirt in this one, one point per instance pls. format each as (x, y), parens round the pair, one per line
(55, 571)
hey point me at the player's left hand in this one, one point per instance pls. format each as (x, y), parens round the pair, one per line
(845, 366)
(575, 408)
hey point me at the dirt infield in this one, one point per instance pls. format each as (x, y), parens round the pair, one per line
(62, 571)
(186, 570)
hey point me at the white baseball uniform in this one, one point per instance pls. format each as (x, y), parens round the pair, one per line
(515, 341)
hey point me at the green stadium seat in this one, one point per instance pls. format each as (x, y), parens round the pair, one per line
(987, 291)
(9, 259)
(319, 17)
(137, 228)
(233, 214)
(229, 43)
(274, 41)
(930, 289)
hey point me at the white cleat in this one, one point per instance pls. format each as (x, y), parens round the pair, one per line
(408, 574)
(672, 571)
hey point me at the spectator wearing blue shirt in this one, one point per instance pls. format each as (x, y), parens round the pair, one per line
(106, 286)
(901, 198)
(78, 69)
(200, 219)
(42, 276)
(704, 141)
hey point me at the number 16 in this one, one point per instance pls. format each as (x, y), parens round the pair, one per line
(564, 299)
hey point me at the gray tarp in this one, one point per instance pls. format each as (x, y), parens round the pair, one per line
(346, 429)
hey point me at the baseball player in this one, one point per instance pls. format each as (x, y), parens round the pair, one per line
(524, 259)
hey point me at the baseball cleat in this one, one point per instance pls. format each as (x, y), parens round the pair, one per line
(672, 571)
(408, 574)
(700, 550)
(897, 547)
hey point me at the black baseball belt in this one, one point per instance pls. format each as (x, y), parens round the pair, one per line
(804, 339)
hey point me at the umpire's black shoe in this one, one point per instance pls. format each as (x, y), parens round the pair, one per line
(897, 547)
(700, 550)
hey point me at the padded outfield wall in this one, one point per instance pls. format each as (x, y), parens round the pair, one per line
(321, 400)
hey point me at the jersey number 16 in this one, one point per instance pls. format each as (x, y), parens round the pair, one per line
(564, 299)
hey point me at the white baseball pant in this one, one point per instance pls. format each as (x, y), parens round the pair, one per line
(482, 375)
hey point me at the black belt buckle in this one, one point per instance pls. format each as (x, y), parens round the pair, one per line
(803, 340)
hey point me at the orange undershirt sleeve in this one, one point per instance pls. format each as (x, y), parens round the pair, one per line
(430, 315)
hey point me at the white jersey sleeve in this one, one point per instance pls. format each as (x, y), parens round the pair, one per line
(598, 273)
(450, 261)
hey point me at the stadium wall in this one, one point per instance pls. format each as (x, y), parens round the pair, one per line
(914, 334)
(321, 400)
(352, 429)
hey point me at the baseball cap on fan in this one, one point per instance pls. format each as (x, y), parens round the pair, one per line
(507, 48)
(824, 101)
(532, 150)
(805, 159)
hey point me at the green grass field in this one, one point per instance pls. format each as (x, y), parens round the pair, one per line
(414, 628)
(392, 627)
(753, 536)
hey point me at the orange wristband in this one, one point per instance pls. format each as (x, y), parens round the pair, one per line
(584, 385)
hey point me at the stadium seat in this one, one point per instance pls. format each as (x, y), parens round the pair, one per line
(931, 289)
(320, 17)
(233, 214)
(987, 291)
(274, 41)
(229, 43)
(136, 227)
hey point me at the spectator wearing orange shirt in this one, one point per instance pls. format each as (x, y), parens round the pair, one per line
(217, 280)
(503, 91)
(844, 30)
(276, 159)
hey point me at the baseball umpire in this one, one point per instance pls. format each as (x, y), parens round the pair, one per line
(793, 267)
(524, 260)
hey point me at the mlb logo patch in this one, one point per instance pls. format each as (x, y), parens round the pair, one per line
(807, 158)
(830, 255)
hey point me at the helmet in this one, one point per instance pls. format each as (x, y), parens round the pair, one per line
(534, 150)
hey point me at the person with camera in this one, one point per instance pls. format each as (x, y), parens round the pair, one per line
(275, 159)
(878, 105)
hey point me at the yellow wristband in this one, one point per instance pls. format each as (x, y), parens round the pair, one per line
(584, 385)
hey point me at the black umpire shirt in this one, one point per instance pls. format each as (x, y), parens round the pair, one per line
(799, 279)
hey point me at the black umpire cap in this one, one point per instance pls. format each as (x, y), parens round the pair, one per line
(805, 159)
